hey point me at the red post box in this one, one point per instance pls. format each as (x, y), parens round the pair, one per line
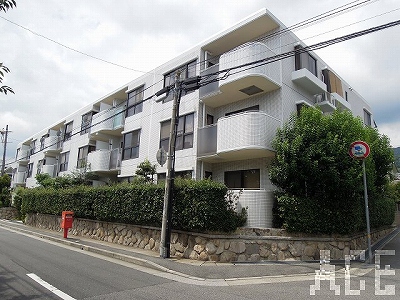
(67, 218)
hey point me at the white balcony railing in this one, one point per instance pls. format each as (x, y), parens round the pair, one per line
(51, 143)
(104, 160)
(108, 120)
(241, 82)
(245, 135)
(23, 155)
(246, 56)
(19, 177)
(329, 102)
(49, 169)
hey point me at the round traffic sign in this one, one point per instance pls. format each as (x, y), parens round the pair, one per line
(359, 150)
(161, 156)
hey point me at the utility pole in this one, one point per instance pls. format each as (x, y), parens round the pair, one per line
(169, 182)
(4, 134)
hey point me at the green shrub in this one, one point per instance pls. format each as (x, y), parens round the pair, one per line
(197, 206)
(321, 186)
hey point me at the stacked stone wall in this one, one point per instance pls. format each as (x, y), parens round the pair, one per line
(246, 244)
(8, 213)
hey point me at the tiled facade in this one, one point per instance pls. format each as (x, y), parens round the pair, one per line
(226, 126)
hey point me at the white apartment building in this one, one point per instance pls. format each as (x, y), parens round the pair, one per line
(225, 127)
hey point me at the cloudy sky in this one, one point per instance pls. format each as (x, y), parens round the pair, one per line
(51, 80)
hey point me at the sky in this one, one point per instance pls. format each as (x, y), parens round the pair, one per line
(49, 47)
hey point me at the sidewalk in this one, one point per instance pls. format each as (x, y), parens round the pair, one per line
(183, 267)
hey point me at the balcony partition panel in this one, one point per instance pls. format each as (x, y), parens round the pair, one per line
(207, 140)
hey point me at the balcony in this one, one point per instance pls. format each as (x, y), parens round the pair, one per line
(51, 145)
(104, 160)
(106, 123)
(308, 81)
(19, 178)
(340, 102)
(237, 137)
(49, 169)
(23, 155)
(329, 102)
(243, 82)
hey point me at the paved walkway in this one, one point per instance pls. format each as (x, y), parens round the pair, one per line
(183, 267)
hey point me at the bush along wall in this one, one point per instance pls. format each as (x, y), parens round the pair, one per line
(198, 205)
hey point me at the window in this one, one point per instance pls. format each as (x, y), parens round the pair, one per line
(187, 71)
(82, 155)
(367, 118)
(303, 60)
(184, 134)
(135, 102)
(64, 157)
(243, 179)
(29, 170)
(16, 155)
(68, 131)
(86, 122)
(131, 145)
(252, 108)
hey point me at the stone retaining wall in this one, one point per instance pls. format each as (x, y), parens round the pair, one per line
(246, 244)
(8, 213)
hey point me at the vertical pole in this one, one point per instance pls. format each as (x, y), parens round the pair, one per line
(367, 212)
(169, 182)
(4, 151)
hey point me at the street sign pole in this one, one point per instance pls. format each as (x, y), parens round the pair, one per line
(361, 150)
(367, 212)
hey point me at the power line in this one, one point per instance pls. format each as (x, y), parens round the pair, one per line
(73, 49)
(329, 14)
(227, 72)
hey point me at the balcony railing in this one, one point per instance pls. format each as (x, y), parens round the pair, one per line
(329, 102)
(104, 160)
(108, 121)
(308, 81)
(23, 155)
(49, 169)
(19, 178)
(51, 143)
(241, 82)
(242, 136)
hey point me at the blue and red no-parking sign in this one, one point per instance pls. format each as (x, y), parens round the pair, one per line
(359, 150)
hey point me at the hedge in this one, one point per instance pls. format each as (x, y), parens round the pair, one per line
(198, 205)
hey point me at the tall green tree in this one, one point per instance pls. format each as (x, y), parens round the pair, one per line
(5, 194)
(4, 6)
(321, 187)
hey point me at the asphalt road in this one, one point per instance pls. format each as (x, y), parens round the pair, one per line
(74, 274)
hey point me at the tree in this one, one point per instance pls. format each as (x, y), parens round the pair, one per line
(321, 187)
(4, 6)
(145, 172)
(7, 4)
(5, 194)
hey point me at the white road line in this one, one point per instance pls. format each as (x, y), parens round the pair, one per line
(51, 288)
